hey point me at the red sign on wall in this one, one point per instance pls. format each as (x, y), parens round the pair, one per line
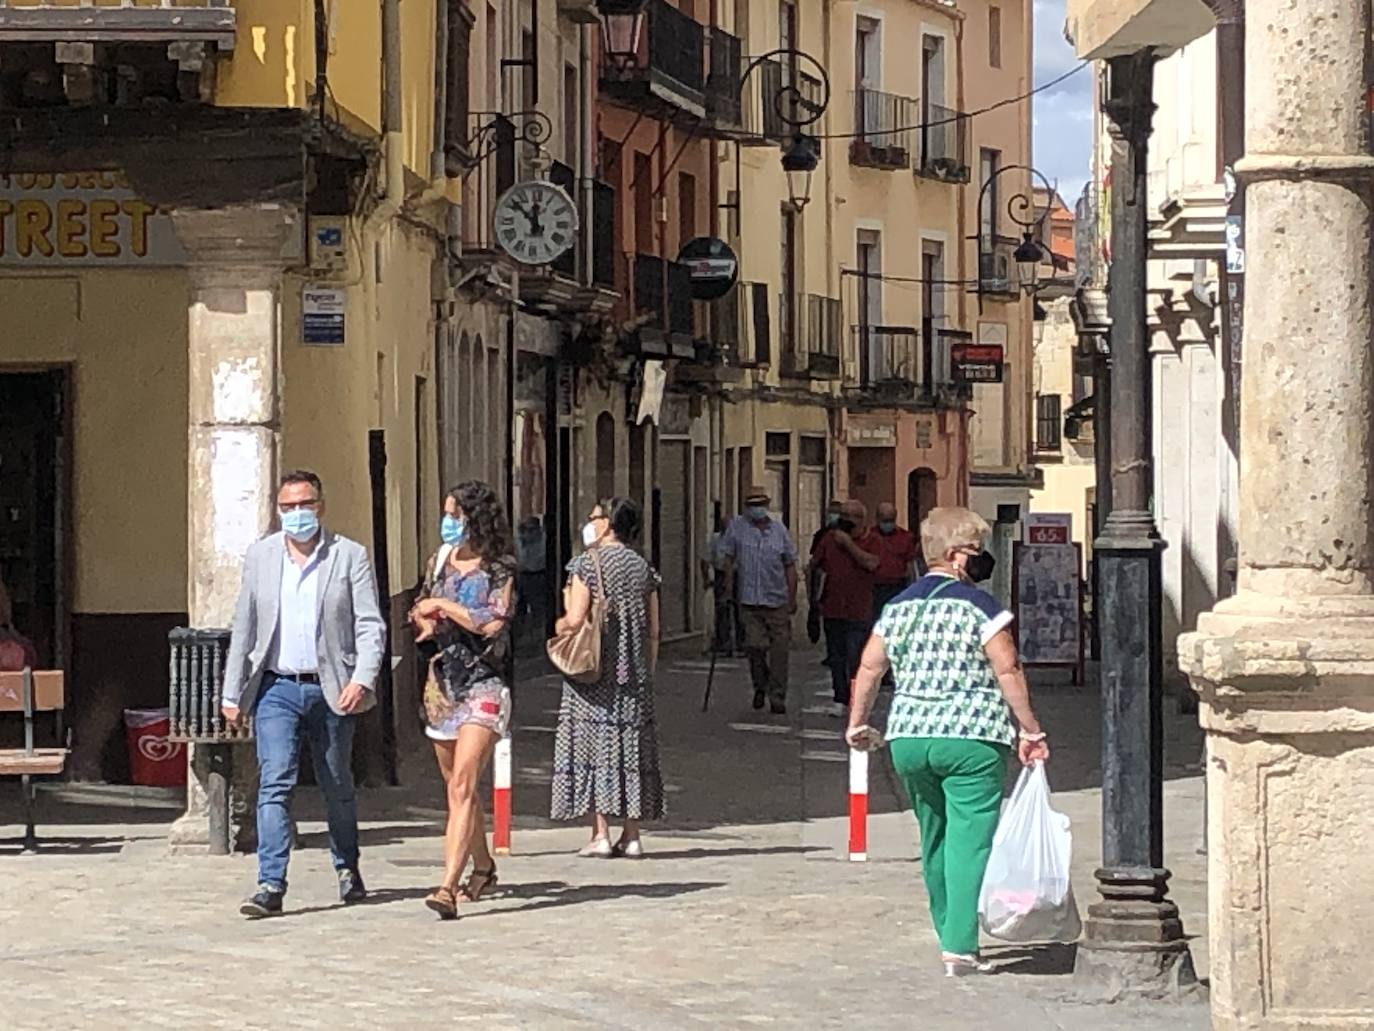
(976, 363)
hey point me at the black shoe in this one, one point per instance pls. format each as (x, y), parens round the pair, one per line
(267, 902)
(778, 708)
(759, 699)
(351, 887)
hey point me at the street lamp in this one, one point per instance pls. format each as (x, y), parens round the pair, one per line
(1021, 210)
(800, 159)
(622, 25)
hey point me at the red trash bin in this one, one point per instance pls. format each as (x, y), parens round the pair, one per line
(153, 760)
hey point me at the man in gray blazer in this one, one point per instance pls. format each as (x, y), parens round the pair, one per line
(307, 644)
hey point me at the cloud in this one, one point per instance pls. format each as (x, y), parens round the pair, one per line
(1062, 116)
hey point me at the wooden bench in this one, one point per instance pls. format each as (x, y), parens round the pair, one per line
(32, 692)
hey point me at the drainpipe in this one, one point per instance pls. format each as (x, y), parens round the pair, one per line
(586, 162)
(393, 158)
(961, 194)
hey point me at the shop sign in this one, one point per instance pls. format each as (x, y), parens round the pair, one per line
(1048, 528)
(871, 436)
(81, 218)
(712, 265)
(322, 316)
(977, 363)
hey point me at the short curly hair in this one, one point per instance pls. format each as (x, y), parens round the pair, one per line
(487, 527)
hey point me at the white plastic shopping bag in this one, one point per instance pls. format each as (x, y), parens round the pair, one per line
(1026, 895)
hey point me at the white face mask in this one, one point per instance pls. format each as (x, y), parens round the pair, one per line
(589, 534)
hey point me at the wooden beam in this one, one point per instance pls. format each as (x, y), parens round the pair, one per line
(214, 25)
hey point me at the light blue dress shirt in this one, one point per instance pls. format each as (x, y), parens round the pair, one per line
(298, 615)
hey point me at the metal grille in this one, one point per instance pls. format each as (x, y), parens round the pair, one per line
(196, 678)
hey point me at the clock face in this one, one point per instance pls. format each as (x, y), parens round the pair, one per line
(535, 222)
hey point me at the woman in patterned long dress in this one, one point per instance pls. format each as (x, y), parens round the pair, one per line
(606, 751)
(959, 683)
(467, 702)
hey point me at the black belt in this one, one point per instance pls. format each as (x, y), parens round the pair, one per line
(300, 678)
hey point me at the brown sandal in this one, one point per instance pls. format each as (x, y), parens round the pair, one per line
(488, 880)
(443, 902)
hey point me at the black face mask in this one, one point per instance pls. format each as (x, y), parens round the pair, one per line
(980, 566)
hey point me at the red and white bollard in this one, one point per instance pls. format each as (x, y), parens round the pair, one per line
(500, 798)
(858, 805)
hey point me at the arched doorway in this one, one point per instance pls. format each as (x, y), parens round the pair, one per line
(605, 455)
(922, 494)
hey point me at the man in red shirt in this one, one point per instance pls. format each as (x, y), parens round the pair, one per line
(846, 597)
(898, 553)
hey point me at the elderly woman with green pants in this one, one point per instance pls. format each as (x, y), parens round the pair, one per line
(959, 686)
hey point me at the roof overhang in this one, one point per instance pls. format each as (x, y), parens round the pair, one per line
(1099, 29)
(212, 22)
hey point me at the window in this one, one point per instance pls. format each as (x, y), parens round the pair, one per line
(995, 36)
(934, 361)
(866, 74)
(493, 41)
(644, 203)
(811, 450)
(932, 73)
(570, 120)
(1048, 423)
(1082, 386)
(456, 92)
(527, 79)
(989, 160)
(686, 208)
(869, 254)
(777, 445)
(787, 38)
(787, 307)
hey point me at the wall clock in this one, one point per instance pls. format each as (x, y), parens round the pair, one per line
(536, 222)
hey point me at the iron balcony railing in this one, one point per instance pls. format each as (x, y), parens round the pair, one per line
(656, 297)
(769, 107)
(997, 268)
(810, 335)
(882, 127)
(602, 224)
(725, 65)
(943, 144)
(740, 326)
(907, 361)
(490, 177)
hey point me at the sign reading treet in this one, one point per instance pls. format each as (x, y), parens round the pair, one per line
(81, 218)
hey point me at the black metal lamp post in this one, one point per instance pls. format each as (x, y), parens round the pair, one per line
(1133, 942)
(622, 26)
(801, 152)
(800, 160)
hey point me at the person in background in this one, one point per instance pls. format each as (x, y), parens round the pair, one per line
(605, 752)
(467, 701)
(897, 557)
(761, 571)
(961, 705)
(17, 652)
(846, 562)
(814, 623)
(304, 654)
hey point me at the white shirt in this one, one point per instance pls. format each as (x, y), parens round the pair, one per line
(298, 615)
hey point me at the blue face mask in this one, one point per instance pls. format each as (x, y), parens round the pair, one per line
(887, 527)
(453, 530)
(300, 524)
(831, 518)
(758, 513)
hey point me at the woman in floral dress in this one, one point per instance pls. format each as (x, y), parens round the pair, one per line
(467, 700)
(606, 751)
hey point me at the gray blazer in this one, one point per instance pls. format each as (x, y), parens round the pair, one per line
(352, 634)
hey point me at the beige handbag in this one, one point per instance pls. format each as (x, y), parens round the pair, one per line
(577, 653)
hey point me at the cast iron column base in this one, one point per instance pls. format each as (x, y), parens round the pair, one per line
(1133, 945)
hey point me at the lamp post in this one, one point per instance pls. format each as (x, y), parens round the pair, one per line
(1029, 253)
(1133, 942)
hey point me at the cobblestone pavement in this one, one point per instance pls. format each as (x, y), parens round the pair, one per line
(745, 913)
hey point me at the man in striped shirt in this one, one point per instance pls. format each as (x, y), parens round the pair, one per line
(761, 565)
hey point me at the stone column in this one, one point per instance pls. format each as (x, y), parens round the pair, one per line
(235, 258)
(1285, 668)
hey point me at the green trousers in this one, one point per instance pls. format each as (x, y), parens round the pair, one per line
(955, 786)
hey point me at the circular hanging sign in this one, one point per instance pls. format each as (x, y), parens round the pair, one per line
(713, 267)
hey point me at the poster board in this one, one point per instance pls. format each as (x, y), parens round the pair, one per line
(1047, 600)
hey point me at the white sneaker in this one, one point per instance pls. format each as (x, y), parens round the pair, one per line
(597, 848)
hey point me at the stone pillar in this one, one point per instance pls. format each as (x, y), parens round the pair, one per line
(235, 260)
(1285, 668)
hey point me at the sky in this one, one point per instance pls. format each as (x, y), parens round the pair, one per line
(1063, 116)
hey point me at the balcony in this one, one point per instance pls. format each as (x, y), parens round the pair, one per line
(725, 64)
(764, 109)
(738, 338)
(943, 145)
(662, 73)
(997, 269)
(656, 306)
(883, 123)
(208, 21)
(810, 336)
(905, 365)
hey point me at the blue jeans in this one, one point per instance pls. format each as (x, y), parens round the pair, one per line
(844, 647)
(286, 709)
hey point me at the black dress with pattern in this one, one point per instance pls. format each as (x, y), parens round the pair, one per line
(605, 757)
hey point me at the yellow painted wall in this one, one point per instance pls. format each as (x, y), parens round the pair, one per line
(123, 331)
(274, 41)
(332, 396)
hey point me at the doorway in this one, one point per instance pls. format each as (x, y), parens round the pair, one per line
(922, 495)
(34, 462)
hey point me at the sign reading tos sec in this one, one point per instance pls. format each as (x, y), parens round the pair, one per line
(713, 267)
